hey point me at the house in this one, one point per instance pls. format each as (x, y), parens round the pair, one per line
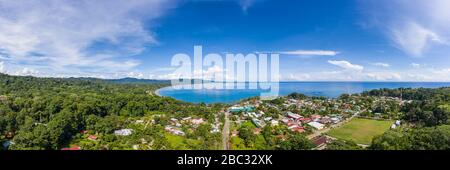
(397, 122)
(177, 132)
(285, 120)
(178, 124)
(296, 128)
(237, 109)
(123, 132)
(234, 133)
(293, 115)
(215, 129)
(393, 126)
(274, 122)
(293, 100)
(320, 141)
(197, 121)
(316, 125)
(282, 137)
(257, 131)
(315, 117)
(325, 120)
(305, 120)
(186, 119)
(249, 108)
(252, 114)
(257, 123)
(174, 130)
(335, 120)
(92, 137)
(268, 118)
(73, 148)
(292, 126)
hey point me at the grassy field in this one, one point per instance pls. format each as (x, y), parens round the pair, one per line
(360, 131)
(181, 143)
(446, 107)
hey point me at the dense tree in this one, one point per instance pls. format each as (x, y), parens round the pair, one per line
(428, 138)
(49, 113)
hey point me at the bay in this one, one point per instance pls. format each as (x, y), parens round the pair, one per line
(326, 89)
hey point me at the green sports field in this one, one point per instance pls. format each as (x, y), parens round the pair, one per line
(360, 130)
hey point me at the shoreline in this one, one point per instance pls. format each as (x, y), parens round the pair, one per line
(156, 92)
(281, 93)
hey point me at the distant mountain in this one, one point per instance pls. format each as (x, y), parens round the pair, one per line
(135, 80)
(125, 80)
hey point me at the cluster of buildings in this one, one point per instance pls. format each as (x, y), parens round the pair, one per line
(299, 116)
(294, 121)
(318, 122)
(175, 126)
(174, 130)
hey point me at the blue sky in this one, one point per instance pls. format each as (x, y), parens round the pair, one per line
(319, 40)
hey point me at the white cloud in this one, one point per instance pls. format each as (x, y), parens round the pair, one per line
(414, 39)
(381, 64)
(299, 77)
(66, 36)
(311, 52)
(415, 65)
(414, 26)
(26, 72)
(135, 75)
(383, 76)
(442, 74)
(346, 76)
(346, 65)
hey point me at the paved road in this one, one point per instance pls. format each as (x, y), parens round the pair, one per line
(226, 132)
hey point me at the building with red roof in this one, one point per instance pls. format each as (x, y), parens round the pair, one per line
(92, 137)
(73, 148)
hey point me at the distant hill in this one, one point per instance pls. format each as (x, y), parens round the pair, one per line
(135, 80)
(126, 80)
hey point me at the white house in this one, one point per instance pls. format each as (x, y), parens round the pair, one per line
(398, 122)
(393, 126)
(316, 125)
(274, 122)
(123, 132)
(335, 120)
(197, 121)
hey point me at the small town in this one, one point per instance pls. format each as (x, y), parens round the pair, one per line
(243, 125)
(312, 116)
